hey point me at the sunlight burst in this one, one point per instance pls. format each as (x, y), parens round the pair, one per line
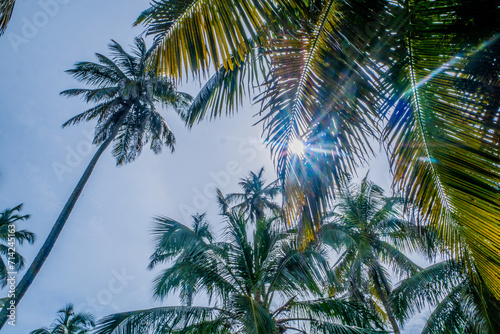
(297, 147)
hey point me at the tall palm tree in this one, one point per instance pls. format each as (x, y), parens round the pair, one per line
(335, 70)
(11, 236)
(125, 90)
(69, 323)
(256, 200)
(6, 9)
(259, 286)
(367, 230)
(461, 304)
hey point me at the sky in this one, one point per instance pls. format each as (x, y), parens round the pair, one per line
(99, 261)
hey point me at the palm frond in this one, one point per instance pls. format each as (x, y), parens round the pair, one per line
(224, 91)
(156, 320)
(444, 127)
(192, 35)
(6, 9)
(299, 104)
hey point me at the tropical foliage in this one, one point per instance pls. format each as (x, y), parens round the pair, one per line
(256, 284)
(69, 322)
(461, 304)
(6, 9)
(257, 199)
(367, 230)
(11, 236)
(125, 92)
(333, 71)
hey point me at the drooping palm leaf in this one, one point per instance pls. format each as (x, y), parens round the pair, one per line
(194, 35)
(323, 91)
(462, 304)
(6, 9)
(444, 129)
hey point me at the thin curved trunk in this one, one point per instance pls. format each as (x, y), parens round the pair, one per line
(383, 298)
(47, 246)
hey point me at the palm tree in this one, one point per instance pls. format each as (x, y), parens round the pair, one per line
(10, 235)
(461, 304)
(333, 71)
(69, 323)
(259, 286)
(6, 9)
(256, 199)
(202, 232)
(125, 90)
(367, 230)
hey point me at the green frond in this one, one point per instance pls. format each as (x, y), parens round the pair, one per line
(194, 35)
(444, 127)
(95, 74)
(130, 64)
(322, 89)
(171, 238)
(8, 218)
(400, 264)
(6, 9)
(332, 328)
(329, 309)
(254, 318)
(157, 320)
(225, 90)
(101, 111)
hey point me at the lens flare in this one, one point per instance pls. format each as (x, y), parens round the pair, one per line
(296, 147)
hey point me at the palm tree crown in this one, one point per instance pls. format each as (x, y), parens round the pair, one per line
(125, 95)
(334, 71)
(368, 231)
(69, 323)
(11, 235)
(259, 286)
(256, 200)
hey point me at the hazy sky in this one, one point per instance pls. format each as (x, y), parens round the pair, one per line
(99, 262)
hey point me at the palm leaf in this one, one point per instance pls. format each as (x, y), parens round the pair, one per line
(194, 34)
(156, 320)
(6, 9)
(444, 128)
(321, 91)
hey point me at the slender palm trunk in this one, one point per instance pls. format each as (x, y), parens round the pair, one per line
(388, 309)
(47, 246)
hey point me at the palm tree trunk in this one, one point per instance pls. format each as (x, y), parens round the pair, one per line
(388, 309)
(47, 246)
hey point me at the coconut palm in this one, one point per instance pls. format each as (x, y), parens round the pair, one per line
(6, 9)
(367, 230)
(10, 235)
(202, 232)
(256, 200)
(124, 91)
(69, 323)
(461, 304)
(259, 286)
(341, 67)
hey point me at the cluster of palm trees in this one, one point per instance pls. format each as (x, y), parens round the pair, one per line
(258, 280)
(422, 75)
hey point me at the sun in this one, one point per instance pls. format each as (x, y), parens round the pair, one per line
(297, 147)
